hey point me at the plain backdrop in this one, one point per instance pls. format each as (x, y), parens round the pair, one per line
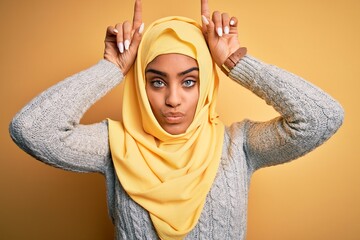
(315, 197)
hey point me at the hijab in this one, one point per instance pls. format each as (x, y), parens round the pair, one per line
(168, 175)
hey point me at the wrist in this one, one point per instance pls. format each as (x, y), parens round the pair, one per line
(233, 59)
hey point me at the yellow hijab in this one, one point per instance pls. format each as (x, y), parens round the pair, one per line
(168, 175)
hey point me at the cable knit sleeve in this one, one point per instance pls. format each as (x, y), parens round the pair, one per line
(308, 116)
(48, 127)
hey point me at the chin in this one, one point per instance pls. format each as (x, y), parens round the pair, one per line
(175, 130)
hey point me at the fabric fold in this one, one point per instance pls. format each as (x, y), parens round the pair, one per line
(168, 175)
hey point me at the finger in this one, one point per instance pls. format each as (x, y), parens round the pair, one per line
(205, 22)
(233, 22)
(119, 37)
(137, 19)
(209, 31)
(111, 32)
(205, 14)
(226, 22)
(205, 11)
(233, 25)
(218, 23)
(127, 34)
(137, 38)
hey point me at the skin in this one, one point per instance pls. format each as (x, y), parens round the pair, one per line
(172, 87)
(123, 39)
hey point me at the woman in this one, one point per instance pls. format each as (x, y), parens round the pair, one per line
(173, 170)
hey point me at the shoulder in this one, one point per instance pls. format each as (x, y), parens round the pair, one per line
(235, 138)
(236, 132)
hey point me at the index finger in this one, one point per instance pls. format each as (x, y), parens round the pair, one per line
(137, 19)
(205, 8)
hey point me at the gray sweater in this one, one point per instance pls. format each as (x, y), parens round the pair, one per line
(48, 128)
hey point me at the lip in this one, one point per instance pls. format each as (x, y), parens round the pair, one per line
(173, 117)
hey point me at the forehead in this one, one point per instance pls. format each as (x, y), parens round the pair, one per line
(172, 61)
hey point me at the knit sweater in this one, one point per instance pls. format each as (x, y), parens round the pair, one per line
(49, 129)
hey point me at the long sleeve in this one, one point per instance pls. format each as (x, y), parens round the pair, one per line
(48, 127)
(308, 116)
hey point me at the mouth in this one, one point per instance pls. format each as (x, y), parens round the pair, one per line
(173, 117)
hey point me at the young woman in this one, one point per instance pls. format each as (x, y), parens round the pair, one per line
(173, 170)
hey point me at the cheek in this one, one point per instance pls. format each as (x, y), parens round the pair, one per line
(154, 101)
(150, 95)
(195, 99)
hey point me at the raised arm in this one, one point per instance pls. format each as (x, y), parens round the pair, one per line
(308, 115)
(49, 127)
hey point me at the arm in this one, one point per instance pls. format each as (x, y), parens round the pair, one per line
(308, 118)
(48, 127)
(308, 115)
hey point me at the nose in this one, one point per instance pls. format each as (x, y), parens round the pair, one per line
(173, 97)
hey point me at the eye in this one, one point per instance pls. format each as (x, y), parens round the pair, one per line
(157, 83)
(189, 83)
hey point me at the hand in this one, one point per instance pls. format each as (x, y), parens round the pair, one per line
(122, 41)
(220, 33)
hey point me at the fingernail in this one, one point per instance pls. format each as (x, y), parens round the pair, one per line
(121, 47)
(204, 19)
(126, 44)
(141, 28)
(220, 32)
(232, 22)
(226, 30)
(115, 30)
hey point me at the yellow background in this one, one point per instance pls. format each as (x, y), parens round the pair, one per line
(315, 197)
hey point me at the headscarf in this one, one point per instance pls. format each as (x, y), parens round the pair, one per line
(168, 175)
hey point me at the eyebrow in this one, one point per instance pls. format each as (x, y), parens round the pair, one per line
(179, 74)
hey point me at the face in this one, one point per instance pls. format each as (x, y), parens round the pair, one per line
(172, 87)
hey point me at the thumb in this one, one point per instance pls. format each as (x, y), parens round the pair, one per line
(208, 29)
(137, 36)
